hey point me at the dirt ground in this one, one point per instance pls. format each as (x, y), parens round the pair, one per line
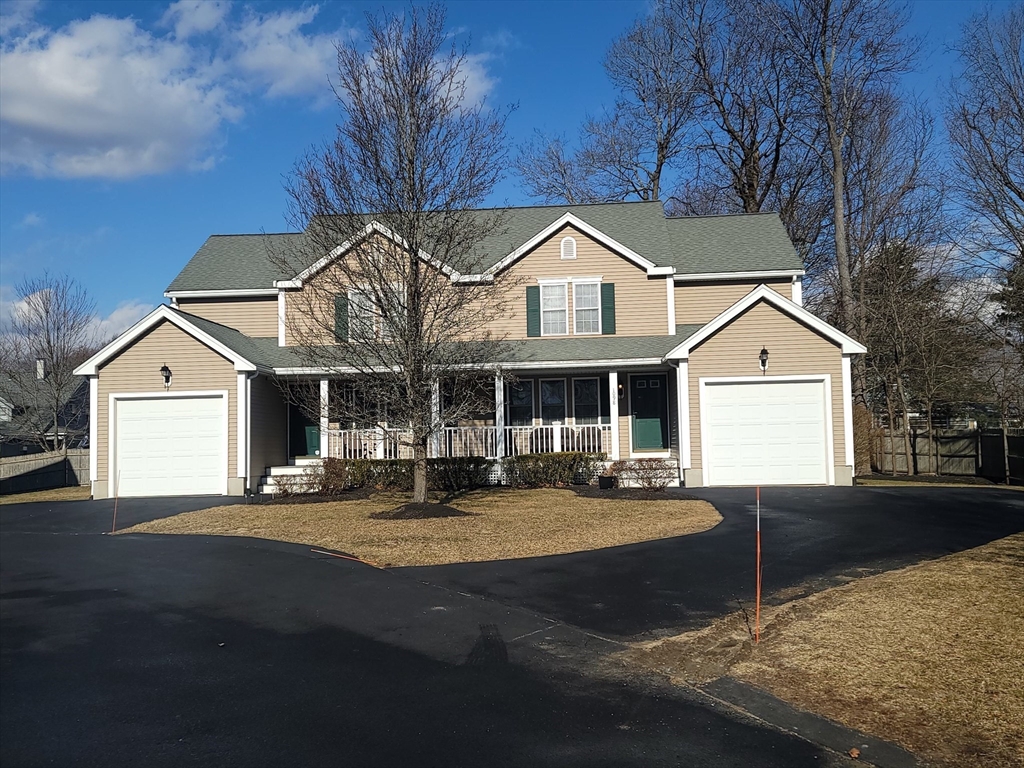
(72, 493)
(503, 524)
(929, 656)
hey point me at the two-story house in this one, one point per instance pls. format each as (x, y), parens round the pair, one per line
(637, 335)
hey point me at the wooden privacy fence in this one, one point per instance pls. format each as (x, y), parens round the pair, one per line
(41, 471)
(973, 453)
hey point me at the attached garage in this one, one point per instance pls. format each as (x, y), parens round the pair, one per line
(766, 432)
(164, 445)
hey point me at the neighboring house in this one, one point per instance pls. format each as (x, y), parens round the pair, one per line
(26, 423)
(649, 344)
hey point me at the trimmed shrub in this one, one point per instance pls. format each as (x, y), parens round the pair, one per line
(549, 470)
(458, 473)
(650, 474)
(331, 477)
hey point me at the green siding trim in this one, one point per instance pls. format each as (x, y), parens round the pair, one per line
(608, 309)
(533, 310)
(341, 317)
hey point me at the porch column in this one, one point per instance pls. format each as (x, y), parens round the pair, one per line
(325, 423)
(499, 415)
(435, 418)
(683, 415)
(613, 406)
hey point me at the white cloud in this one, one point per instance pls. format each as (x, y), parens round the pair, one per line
(124, 316)
(103, 97)
(32, 219)
(190, 17)
(273, 52)
(16, 14)
(479, 83)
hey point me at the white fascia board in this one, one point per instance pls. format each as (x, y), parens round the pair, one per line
(758, 275)
(848, 345)
(569, 219)
(369, 229)
(226, 294)
(91, 366)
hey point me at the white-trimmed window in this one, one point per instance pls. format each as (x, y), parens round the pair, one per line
(554, 310)
(586, 306)
(568, 248)
(361, 315)
(519, 403)
(586, 401)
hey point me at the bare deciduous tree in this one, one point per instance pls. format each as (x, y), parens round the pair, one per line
(398, 313)
(844, 51)
(625, 153)
(48, 336)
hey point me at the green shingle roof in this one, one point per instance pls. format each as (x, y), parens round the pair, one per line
(742, 242)
(693, 245)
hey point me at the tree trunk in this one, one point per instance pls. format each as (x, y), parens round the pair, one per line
(906, 428)
(839, 216)
(892, 431)
(419, 472)
(1006, 450)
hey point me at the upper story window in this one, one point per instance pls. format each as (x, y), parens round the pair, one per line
(554, 310)
(361, 315)
(568, 248)
(586, 306)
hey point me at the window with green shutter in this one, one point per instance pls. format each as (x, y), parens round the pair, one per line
(608, 308)
(341, 317)
(533, 310)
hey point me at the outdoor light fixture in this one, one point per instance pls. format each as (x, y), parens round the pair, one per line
(166, 373)
(763, 357)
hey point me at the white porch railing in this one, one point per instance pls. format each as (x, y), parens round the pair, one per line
(472, 441)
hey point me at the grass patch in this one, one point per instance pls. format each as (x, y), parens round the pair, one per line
(71, 493)
(927, 656)
(503, 524)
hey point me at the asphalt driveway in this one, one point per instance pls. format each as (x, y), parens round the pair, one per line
(811, 538)
(176, 650)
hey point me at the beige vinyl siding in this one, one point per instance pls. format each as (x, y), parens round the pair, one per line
(268, 424)
(193, 365)
(256, 316)
(793, 349)
(641, 304)
(703, 302)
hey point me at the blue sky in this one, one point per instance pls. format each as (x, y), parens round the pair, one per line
(130, 131)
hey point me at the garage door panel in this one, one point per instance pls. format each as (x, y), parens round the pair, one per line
(170, 446)
(770, 433)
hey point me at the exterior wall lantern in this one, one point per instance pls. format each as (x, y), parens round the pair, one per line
(763, 358)
(166, 373)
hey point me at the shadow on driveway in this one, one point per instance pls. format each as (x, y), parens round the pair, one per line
(810, 536)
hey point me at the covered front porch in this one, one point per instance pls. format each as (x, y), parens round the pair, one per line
(621, 413)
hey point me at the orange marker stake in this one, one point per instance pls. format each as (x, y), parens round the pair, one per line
(757, 603)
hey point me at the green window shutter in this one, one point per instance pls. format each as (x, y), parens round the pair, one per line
(341, 317)
(533, 310)
(608, 308)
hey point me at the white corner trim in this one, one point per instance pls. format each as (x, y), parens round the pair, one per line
(280, 317)
(683, 411)
(613, 406)
(94, 415)
(848, 345)
(797, 289)
(764, 274)
(230, 293)
(241, 416)
(824, 378)
(114, 397)
(848, 447)
(570, 219)
(91, 366)
(670, 298)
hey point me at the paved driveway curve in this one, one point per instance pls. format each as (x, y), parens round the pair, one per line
(810, 536)
(178, 650)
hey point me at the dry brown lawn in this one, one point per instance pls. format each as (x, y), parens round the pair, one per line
(506, 524)
(923, 484)
(930, 656)
(72, 493)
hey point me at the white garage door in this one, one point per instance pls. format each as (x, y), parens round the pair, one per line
(171, 446)
(765, 433)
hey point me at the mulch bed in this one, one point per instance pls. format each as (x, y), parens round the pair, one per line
(352, 494)
(424, 511)
(629, 494)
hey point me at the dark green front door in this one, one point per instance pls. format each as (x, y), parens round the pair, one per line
(648, 402)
